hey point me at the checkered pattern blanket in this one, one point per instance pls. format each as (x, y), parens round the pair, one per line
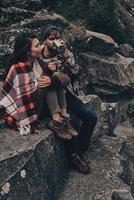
(18, 95)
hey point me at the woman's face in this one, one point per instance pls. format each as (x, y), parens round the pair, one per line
(35, 48)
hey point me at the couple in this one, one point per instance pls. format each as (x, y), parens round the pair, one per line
(25, 80)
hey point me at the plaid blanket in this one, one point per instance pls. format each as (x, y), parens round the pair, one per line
(18, 95)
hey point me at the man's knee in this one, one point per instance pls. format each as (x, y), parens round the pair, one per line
(94, 117)
(91, 116)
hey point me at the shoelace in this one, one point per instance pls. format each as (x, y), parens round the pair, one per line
(78, 159)
(24, 130)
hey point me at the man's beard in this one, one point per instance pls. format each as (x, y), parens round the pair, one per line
(52, 51)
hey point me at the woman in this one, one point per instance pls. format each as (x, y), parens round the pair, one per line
(18, 93)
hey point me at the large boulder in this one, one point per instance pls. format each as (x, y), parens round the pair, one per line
(110, 75)
(30, 167)
(85, 40)
(100, 43)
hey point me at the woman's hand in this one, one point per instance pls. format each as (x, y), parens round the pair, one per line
(44, 81)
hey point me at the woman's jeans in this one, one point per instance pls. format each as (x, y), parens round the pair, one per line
(84, 120)
(54, 98)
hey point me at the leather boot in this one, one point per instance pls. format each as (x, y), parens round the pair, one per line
(79, 165)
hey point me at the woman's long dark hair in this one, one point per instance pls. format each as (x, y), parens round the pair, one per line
(22, 49)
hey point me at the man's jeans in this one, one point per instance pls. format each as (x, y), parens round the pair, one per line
(84, 120)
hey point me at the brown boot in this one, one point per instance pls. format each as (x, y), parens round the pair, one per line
(80, 165)
(59, 129)
(70, 127)
(84, 157)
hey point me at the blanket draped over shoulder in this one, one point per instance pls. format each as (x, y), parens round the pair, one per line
(18, 95)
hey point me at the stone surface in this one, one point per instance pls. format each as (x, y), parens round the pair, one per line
(126, 50)
(121, 195)
(36, 163)
(127, 152)
(103, 179)
(31, 166)
(126, 15)
(110, 75)
(100, 43)
(124, 129)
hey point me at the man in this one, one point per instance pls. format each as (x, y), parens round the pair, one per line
(84, 120)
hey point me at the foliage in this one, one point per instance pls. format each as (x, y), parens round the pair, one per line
(97, 15)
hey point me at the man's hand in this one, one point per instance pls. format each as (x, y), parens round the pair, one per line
(66, 54)
(44, 81)
(52, 66)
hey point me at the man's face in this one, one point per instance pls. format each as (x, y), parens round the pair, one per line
(49, 42)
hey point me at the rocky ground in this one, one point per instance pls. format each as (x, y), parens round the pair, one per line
(110, 177)
(104, 181)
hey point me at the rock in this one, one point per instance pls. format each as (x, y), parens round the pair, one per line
(124, 129)
(30, 167)
(103, 180)
(92, 41)
(122, 195)
(128, 4)
(128, 149)
(109, 75)
(36, 162)
(100, 43)
(127, 152)
(30, 5)
(127, 19)
(130, 110)
(111, 117)
(126, 50)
